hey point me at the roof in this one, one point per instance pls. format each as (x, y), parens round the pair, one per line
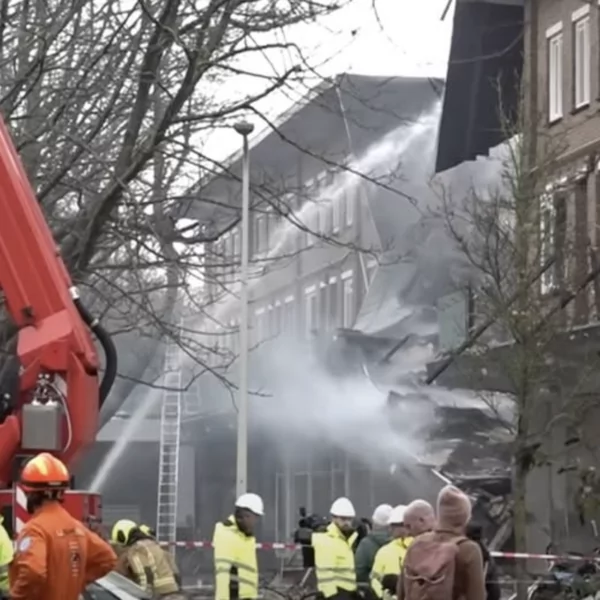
(338, 119)
(484, 70)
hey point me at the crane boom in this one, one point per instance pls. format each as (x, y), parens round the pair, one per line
(58, 359)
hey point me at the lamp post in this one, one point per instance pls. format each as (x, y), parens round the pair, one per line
(241, 471)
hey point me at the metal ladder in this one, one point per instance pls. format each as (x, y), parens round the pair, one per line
(170, 428)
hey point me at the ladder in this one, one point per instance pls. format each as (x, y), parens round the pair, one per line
(168, 467)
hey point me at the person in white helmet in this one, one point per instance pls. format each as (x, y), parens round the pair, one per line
(334, 556)
(367, 547)
(389, 558)
(234, 544)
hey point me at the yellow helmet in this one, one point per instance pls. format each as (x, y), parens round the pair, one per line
(122, 530)
(146, 529)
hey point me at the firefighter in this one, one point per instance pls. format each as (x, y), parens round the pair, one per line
(334, 558)
(118, 536)
(56, 555)
(146, 529)
(389, 558)
(236, 568)
(145, 562)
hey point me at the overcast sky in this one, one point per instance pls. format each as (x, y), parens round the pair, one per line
(399, 37)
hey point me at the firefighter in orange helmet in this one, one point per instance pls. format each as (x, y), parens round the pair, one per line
(56, 556)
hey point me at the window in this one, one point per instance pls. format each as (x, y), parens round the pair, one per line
(333, 303)
(311, 316)
(347, 300)
(371, 269)
(289, 316)
(555, 73)
(259, 332)
(236, 245)
(324, 217)
(582, 57)
(552, 238)
(260, 243)
(277, 318)
(310, 216)
(337, 213)
(323, 320)
(350, 198)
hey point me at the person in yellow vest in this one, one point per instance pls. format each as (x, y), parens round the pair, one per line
(6, 557)
(145, 563)
(389, 558)
(334, 555)
(234, 544)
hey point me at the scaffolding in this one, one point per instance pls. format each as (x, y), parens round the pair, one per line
(170, 431)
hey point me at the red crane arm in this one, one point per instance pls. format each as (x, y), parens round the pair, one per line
(54, 342)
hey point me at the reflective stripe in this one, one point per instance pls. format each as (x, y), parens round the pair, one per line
(228, 564)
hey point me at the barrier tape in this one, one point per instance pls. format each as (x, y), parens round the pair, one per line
(493, 553)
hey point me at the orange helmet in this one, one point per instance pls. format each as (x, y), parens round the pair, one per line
(44, 472)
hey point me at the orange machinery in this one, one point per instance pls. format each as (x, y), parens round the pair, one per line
(56, 403)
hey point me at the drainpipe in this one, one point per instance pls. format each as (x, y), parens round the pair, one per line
(357, 206)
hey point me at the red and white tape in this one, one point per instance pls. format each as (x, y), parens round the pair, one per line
(510, 555)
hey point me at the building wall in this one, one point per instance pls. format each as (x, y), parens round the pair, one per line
(316, 279)
(579, 125)
(569, 60)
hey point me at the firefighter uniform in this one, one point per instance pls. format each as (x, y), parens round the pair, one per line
(388, 561)
(236, 567)
(145, 562)
(334, 562)
(56, 556)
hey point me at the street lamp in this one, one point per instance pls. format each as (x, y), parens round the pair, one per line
(244, 129)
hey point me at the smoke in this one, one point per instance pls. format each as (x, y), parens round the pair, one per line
(298, 401)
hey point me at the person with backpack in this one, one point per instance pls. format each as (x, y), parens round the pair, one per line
(419, 517)
(444, 564)
(492, 587)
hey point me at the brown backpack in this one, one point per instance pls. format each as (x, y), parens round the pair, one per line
(429, 568)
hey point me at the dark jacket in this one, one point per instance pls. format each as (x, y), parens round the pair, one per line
(492, 587)
(366, 551)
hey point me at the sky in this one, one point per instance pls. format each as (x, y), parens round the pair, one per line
(367, 37)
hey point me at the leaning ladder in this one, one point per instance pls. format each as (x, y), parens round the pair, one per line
(168, 467)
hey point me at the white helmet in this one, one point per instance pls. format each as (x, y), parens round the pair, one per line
(397, 515)
(381, 515)
(252, 502)
(342, 507)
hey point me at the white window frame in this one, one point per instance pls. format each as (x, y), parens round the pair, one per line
(259, 315)
(582, 53)
(347, 302)
(547, 238)
(554, 41)
(261, 233)
(350, 201)
(336, 217)
(310, 322)
(289, 300)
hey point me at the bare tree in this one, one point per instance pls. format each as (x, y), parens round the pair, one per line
(108, 104)
(528, 266)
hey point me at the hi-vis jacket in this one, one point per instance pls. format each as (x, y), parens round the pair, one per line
(236, 569)
(388, 561)
(147, 564)
(334, 561)
(6, 556)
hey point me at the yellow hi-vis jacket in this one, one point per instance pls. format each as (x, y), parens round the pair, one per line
(236, 569)
(334, 561)
(6, 556)
(388, 561)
